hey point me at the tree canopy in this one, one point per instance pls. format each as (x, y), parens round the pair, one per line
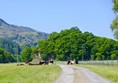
(10, 46)
(114, 25)
(5, 56)
(115, 5)
(73, 44)
(26, 54)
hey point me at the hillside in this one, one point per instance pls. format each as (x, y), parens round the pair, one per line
(24, 36)
(10, 46)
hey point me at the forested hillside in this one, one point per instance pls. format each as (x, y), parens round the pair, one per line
(73, 44)
(10, 46)
(24, 36)
(14, 38)
(6, 57)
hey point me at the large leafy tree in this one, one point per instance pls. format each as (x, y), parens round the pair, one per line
(115, 5)
(114, 25)
(73, 44)
(26, 54)
(5, 56)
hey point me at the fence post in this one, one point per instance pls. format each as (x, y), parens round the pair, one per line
(107, 61)
(117, 60)
(112, 62)
(99, 62)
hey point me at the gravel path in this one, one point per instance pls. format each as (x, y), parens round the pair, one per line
(73, 74)
(67, 75)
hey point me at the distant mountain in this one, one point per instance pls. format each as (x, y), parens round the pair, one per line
(24, 36)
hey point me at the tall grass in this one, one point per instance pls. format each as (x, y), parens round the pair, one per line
(10, 73)
(109, 72)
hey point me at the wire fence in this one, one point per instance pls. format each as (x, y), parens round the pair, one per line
(100, 62)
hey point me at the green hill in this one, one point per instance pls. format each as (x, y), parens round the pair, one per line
(24, 36)
(10, 46)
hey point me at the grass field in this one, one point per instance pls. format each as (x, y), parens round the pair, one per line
(109, 72)
(10, 73)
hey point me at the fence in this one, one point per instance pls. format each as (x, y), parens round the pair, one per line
(100, 62)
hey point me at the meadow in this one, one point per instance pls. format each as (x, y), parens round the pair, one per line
(108, 72)
(10, 73)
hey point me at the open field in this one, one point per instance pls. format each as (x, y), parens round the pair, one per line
(109, 72)
(10, 73)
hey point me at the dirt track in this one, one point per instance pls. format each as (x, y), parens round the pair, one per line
(73, 74)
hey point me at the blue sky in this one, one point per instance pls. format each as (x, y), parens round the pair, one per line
(54, 15)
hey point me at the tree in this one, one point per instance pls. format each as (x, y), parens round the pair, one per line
(69, 43)
(99, 56)
(114, 25)
(115, 5)
(10, 46)
(5, 56)
(26, 54)
(113, 56)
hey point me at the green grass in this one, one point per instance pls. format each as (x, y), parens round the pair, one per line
(10, 73)
(61, 62)
(109, 72)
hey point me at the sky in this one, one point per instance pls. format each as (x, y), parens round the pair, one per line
(55, 15)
